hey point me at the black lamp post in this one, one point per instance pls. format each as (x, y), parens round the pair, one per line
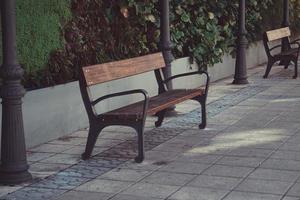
(240, 76)
(285, 23)
(165, 41)
(13, 168)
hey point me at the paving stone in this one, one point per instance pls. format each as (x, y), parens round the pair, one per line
(251, 152)
(228, 171)
(60, 182)
(106, 186)
(4, 190)
(240, 161)
(130, 197)
(51, 148)
(290, 198)
(180, 167)
(46, 169)
(68, 140)
(151, 190)
(281, 164)
(278, 175)
(79, 195)
(251, 196)
(198, 158)
(166, 178)
(62, 159)
(37, 156)
(264, 186)
(124, 174)
(295, 190)
(29, 193)
(84, 171)
(216, 182)
(192, 193)
(78, 150)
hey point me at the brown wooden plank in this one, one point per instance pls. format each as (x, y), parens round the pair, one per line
(278, 34)
(120, 69)
(156, 103)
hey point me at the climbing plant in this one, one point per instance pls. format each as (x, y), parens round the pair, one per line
(59, 36)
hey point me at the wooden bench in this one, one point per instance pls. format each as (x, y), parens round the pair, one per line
(286, 56)
(134, 115)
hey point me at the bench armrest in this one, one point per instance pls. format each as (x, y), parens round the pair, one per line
(189, 74)
(275, 47)
(129, 92)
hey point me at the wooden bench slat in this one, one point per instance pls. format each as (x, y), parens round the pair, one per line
(101, 73)
(278, 34)
(156, 103)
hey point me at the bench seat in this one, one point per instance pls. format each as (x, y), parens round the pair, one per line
(156, 104)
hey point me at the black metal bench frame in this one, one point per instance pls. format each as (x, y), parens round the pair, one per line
(286, 56)
(99, 122)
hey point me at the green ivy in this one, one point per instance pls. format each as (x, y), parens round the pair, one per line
(57, 37)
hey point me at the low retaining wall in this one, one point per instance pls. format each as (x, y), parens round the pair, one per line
(53, 112)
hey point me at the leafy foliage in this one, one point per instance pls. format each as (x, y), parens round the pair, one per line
(105, 30)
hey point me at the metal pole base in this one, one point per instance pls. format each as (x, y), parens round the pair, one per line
(14, 178)
(240, 81)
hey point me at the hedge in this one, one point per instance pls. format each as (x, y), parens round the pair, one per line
(56, 37)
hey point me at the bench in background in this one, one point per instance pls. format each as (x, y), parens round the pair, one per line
(291, 54)
(134, 115)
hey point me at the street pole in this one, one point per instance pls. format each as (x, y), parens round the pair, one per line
(165, 41)
(14, 167)
(240, 76)
(285, 23)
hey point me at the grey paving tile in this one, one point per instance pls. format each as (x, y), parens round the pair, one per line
(228, 171)
(295, 190)
(29, 193)
(240, 161)
(290, 198)
(79, 195)
(166, 178)
(68, 140)
(286, 155)
(51, 148)
(37, 156)
(181, 167)
(105, 186)
(281, 164)
(250, 152)
(151, 190)
(78, 150)
(60, 182)
(84, 171)
(4, 190)
(130, 197)
(271, 174)
(251, 196)
(264, 186)
(217, 182)
(62, 159)
(46, 169)
(198, 158)
(192, 193)
(122, 174)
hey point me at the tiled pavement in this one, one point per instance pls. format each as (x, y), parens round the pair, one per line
(249, 151)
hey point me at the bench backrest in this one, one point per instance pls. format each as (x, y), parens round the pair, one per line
(101, 73)
(278, 34)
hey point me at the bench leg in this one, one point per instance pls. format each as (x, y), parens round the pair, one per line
(141, 155)
(296, 69)
(91, 141)
(161, 116)
(269, 66)
(203, 114)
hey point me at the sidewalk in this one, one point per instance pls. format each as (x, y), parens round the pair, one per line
(249, 151)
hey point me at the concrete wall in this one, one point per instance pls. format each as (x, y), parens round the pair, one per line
(57, 111)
